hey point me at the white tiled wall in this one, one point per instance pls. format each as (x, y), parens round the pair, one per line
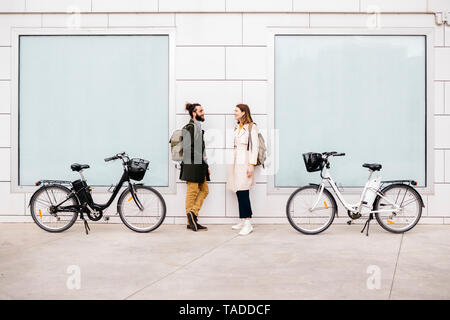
(395, 6)
(258, 5)
(192, 5)
(5, 100)
(255, 25)
(16, 20)
(5, 168)
(122, 6)
(442, 132)
(254, 93)
(141, 20)
(201, 29)
(326, 5)
(442, 69)
(447, 36)
(222, 5)
(5, 63)
(447, 166)
(221, 60)
(58, 6)
(5, 139)
(200, 63)
(439, 162)
(69, 20)
(246, 63)
(439, 98)
(215, 96)
(340, 20)
(447, 97)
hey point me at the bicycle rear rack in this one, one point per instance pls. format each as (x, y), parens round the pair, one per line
(38, 183)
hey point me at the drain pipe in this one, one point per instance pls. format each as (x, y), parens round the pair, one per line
(442, 18)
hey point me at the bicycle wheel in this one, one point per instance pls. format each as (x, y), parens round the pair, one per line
(40, 207)
(148, 219)
(300, 216)
(410, 202)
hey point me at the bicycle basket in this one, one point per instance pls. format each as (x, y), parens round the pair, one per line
(313, 161)
(137, 168)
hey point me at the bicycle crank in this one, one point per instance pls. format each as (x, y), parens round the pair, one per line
(353, 215)
(93, 214)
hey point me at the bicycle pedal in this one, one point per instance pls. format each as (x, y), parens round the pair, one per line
(349, 222)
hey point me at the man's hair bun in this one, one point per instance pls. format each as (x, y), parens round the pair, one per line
(190, 107)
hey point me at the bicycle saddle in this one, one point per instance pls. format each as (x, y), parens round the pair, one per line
(78, 167)
(372, 166)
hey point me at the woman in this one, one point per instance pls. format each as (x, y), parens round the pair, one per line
(240, 173)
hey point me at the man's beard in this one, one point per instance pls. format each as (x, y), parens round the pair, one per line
(198, 118)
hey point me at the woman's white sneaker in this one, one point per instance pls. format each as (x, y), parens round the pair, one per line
(239, 225)
(246, 229)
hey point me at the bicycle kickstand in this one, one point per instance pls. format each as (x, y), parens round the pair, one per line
(86, 226)
(367, 224)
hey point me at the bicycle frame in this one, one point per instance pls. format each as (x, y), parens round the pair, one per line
(354, 208)
(95, 206)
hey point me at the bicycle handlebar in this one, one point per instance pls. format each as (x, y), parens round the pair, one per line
(326, 162)
(111, 158)
(333, 153)
(117, 156)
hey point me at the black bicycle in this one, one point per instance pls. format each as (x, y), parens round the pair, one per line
(55, 207)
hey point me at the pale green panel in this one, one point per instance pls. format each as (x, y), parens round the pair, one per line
(85, 98)
(362, 95)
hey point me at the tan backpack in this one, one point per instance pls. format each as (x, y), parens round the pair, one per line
(176, 145)
(262, 150)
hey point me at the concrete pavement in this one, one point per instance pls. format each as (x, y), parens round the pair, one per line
(274, 262)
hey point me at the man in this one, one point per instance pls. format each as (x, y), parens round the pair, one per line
(194, 168)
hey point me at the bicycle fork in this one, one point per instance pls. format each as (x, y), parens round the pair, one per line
(321, 187)
(135, 198)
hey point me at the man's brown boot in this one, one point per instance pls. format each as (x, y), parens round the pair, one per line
(192, 224)
(199, 226)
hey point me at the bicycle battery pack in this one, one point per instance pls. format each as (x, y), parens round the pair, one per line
(82, 191)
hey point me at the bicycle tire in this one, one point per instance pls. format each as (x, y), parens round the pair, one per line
(377, 203)
(314, 187)
(123, 218)
(33, 205)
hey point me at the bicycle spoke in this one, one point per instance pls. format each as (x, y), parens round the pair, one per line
(142, 220)
(404, 219)
(43, 201)
(303, 218)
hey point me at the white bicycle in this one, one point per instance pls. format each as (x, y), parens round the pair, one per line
(397, 206)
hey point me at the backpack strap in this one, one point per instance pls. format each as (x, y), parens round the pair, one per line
(249, 135)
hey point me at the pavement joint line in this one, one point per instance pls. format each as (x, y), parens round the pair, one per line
(395, 268)
(181, 267)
